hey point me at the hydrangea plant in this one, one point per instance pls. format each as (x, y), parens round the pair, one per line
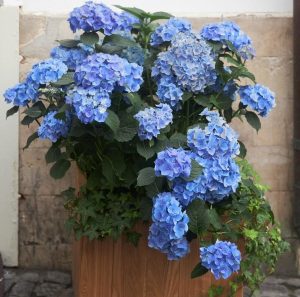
(144, 111)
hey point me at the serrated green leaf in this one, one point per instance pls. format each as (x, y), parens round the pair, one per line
(33, 112)
(30, 139)
(125, 134)
(159, 15)
(27, 120)
(177, 140)
(196, 171)
(12, 111)
(223, 102)
(253, 120)
(112, 121)
(65, 80)
(53, 154)
(214, 219)
(118, 40)
(89, 38)
(202, 100)
(146, 177)
(243, 150)
(59, 168)
(69, 43)
(139, 13)
(145, 150)
(197, 213)
(198, 271)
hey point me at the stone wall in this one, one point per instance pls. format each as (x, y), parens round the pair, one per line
(43, 241)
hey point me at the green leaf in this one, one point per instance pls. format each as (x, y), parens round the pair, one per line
(113, 121)
(69, 42)
(202, 100)
(65, 80)
(178, 140)
(146, 177)
(243, 150)
(27, 120)
(133, 237)
(30, 139)
(253, 120)
(53, 154)
(59, 169)
(159, 15)
(118, 40)
(196, 170)
(12, 111)
(214, 219)
(197, 213)
(136, 102)
(146, 208)
(231, 60)
(139, 13)
(125, 134)
(198, 271)
(34, 112)
(89, 38)
(145, 150)
(107, 170)
(223, 102)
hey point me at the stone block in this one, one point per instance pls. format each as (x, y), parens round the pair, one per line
(22, 289)
(58, 277)
(48, 290)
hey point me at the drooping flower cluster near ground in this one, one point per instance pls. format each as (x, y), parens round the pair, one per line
(144, 110)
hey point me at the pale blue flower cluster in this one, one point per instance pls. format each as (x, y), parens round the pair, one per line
(222, 258)
(47, 71)
(170, 224)
(97, 16)
(166, 32)
(53, 128)
(134, 54)
(89, 104)
(229, 31)
(189, 60)
(259, 98)
(152, 120)
(21, 94)
(104, 71)
(168, 92)
(71, 56)
(173, 163)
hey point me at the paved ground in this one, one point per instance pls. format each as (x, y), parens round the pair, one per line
(33, 283)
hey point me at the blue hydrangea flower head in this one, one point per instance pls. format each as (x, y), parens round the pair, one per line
(47, 71)
(189, 60)
(53, 128)
(21, 94)
(166, 32)
(222, 258)
(152, 120)
(173, 163)
(106, 72)
(168, 92)
(169, 226)
(71, 56)
(229, 31)
(134, 54)
(89, 104)
(258, 98)
(217, 140)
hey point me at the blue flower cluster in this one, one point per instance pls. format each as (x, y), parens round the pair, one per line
(170, 223)
(134, 54)
(71, 56)
(222, 258)
(173, 163)
(89, 104)
(189, 60)
(259, 98)
(53, 128)
(21, 94)
(47, 71)
(104, 71)
(168, 92)
(166, 32)
(152, 120)
(229, 31)
(97, 16)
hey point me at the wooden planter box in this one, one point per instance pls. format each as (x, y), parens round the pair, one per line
(110, 268)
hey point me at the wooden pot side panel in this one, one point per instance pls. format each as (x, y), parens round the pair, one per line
(110, 268)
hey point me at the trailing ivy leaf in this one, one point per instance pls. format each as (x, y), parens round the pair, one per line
(253, 120)
(197, 213)
(214, 219)
(196, 171)
(89, 38)
(33, 112)
(30, 139)
(146, 177)
(59, 168)
(69, 42)
(113, 121)
(53, 154)
(119, 40)
(202, 100)
(159, 15)
(12, 111)
(177, 140)
(139, 13)
(198, 271)
(65, 80)
(27, 120)
(145, 150)
(133, 237)
(243, 150)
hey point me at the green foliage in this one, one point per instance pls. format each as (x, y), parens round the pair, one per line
(198, 271)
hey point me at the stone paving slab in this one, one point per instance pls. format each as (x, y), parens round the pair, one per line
(45, 283)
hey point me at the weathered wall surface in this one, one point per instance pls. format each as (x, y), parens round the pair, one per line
(43, 241)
